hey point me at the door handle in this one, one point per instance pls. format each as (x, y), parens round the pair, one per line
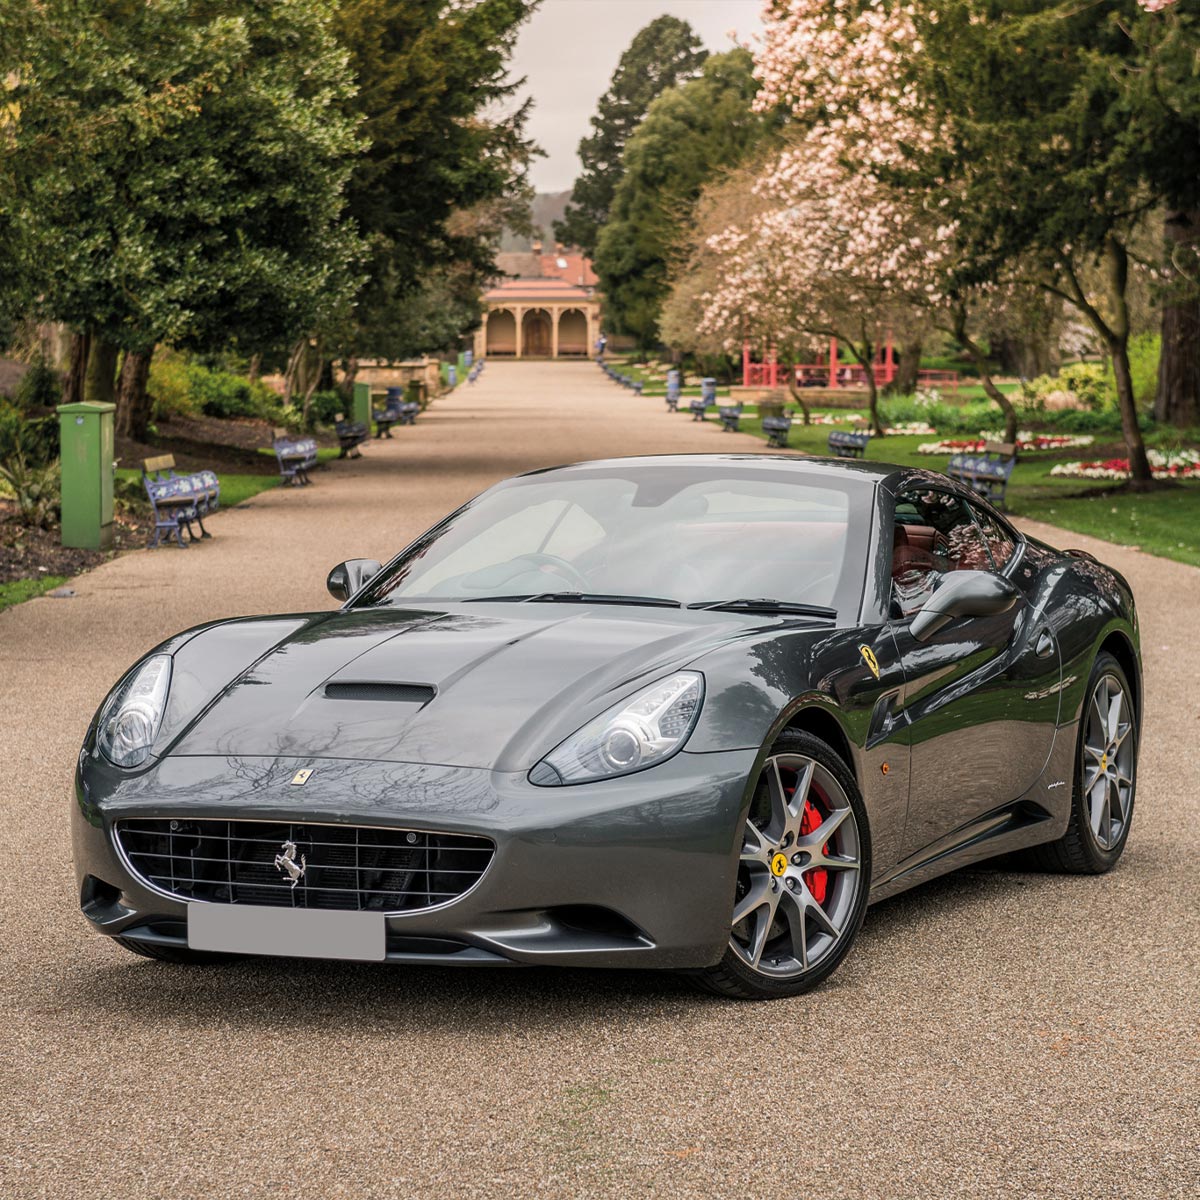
(1045, 644)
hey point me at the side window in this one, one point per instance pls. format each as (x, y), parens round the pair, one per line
(934, 534)
(999, 541)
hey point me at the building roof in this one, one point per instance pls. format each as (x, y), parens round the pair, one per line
(547, 291)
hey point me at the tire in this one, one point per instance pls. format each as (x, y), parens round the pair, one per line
(169, 954)
(798, 920)
(1082, 850)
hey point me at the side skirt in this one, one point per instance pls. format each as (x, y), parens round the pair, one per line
(1040, 815)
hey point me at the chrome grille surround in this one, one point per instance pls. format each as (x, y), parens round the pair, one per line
(348, 867)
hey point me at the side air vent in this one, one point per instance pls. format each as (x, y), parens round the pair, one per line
(403, 693)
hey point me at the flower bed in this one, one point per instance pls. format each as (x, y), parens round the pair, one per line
(1027, 442)
(1178, 464)
(910, 429)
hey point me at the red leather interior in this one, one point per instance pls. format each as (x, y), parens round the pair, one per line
(912, 548)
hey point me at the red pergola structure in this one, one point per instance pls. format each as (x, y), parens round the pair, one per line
(831, 373)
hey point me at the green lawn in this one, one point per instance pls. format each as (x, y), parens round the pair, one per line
(27, 589)
(1166, 523)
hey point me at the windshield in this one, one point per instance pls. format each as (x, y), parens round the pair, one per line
(683, 534)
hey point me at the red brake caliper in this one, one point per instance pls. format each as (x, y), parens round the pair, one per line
(816, 880)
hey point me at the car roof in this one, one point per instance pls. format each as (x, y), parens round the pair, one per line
(886, 474)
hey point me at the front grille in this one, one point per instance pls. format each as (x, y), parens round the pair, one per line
(350, 867)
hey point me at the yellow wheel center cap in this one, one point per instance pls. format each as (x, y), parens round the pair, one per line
(779, 864)
(1104, 762)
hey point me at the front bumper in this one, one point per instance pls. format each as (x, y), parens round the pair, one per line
(632, 872)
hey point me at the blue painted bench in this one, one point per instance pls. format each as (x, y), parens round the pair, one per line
(296, 457)
(988, 473)
(178, 500)
(848, 445)
(350, 435)
(777, 430)
(698, 407)
(730, 416)
(396, 411)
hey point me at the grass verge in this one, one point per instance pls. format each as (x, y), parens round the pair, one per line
(20, 590)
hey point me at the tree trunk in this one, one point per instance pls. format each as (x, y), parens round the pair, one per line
(255, 369)
(873, 398)
(908, 368)
(797, 394)
(1140, 475)
(990, 389)
(134, 404)
(76, 368)
(1177, 401)
(100, 382)
(295, 359)
(346, 387)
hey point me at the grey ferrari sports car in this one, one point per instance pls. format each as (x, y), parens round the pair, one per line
(685, 712)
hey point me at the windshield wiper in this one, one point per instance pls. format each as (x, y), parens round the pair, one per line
(765, 605)
(580, 598)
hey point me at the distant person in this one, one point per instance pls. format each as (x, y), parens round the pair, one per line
(601, 346)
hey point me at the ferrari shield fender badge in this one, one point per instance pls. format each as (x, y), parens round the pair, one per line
(302, 777)
(868, 656)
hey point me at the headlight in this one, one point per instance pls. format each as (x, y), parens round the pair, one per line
(637, 733)
(132, 717)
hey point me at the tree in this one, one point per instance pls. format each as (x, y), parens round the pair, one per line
(180, 170)
(447, 157)
(1061, 162)
(690, 134)
(665, 53)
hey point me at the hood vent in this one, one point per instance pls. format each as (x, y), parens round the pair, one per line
(402, 693)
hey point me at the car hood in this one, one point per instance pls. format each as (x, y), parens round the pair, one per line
(475, 686)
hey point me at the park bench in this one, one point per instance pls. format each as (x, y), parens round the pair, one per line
(296, 456)
(777, 430)
(672, 399)
(987, 473)
(730, 416)
(698, 407)
(396, 411)
(178, 500)
(848, 445)
(637, 386)
(350, 435)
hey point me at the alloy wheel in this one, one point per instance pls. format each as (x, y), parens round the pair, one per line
(799, 871)
(1108, 761)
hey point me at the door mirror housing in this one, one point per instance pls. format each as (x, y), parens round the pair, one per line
(346, 578)
(963, 594)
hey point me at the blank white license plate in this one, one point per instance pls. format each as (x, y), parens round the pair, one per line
(289, 932)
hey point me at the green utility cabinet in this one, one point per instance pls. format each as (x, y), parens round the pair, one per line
(87, 474)
(362, 404)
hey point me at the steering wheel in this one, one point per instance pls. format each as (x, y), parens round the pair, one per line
(559, 566)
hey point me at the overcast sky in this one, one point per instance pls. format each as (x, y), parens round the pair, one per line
(570, 48)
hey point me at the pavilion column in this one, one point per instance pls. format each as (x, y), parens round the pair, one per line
(481, 337)
(520, 318)
(555, 314)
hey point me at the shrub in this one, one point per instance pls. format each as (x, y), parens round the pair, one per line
(34, 439)
(1144, 352)
(40, 386)
(36, 487)
(1091, 384)
(324, 407)
(170, 386)
(220, 394)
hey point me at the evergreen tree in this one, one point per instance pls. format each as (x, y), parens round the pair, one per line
(666, 52)
(690, 134)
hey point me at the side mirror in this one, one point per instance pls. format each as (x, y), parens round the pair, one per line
(963, 594)
(346, 578)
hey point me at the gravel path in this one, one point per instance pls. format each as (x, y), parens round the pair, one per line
(993, 1034)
